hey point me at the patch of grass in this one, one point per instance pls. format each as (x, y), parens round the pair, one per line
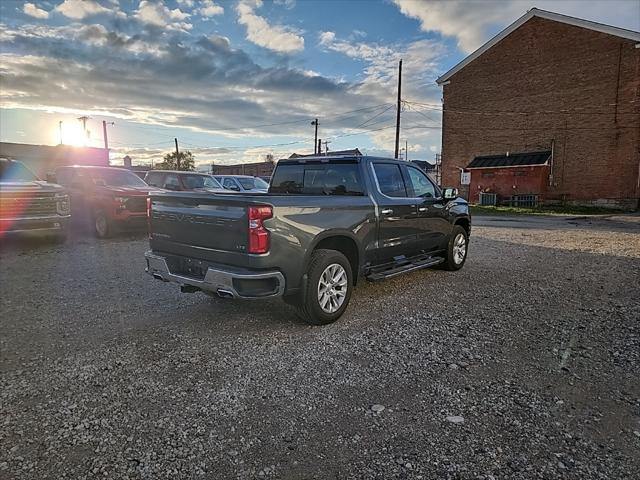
(542, 210)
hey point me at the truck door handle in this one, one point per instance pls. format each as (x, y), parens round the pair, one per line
(386, 211)
(423, 209)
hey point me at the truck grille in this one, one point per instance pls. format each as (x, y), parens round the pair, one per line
(137, 204)
(15, 205)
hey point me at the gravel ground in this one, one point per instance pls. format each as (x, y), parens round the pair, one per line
(522, 365)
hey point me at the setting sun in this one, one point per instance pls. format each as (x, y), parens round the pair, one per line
(70, 133)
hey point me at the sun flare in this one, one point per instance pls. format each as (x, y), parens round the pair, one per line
(71, 133)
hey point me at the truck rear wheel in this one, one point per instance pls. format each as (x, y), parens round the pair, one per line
(329, 287)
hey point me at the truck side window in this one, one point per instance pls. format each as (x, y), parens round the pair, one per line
(171, 182)
(422, 186)
(154, 179)
(390, 179)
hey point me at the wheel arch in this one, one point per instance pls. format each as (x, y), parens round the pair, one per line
(343, 242)
(465, 223)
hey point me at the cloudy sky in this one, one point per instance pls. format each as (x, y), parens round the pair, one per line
(235, 80)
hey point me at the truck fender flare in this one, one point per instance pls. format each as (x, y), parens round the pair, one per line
(335, 233)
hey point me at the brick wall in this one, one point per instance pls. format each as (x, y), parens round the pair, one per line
(585, 88)
(260, 169)
(509, 181)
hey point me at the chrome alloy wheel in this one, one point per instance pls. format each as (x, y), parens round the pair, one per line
(332, 288)
(459, 248)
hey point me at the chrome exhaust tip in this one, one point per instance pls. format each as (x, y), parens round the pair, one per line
(224, 293)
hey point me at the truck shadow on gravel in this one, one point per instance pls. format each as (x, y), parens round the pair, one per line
(29, 242)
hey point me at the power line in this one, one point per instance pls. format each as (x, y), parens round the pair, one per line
(581, 110)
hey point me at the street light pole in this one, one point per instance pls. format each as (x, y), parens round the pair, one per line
(315, 138)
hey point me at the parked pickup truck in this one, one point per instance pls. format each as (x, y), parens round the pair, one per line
(105, 198)
(27, 203)
(325, 223)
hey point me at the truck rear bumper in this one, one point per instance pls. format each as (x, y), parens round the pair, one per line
(224, 281)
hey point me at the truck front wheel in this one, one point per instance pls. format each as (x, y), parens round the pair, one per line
(457, 249)
(329, 287)
(101, 224)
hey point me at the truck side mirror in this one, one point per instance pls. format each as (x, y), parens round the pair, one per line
(450, 193)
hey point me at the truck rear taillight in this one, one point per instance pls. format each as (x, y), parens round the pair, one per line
(258, 235)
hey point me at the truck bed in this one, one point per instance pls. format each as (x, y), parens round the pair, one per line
(214, 227)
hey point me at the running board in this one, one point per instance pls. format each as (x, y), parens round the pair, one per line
(394, 270)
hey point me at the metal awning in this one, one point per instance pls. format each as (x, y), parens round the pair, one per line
(528, 159)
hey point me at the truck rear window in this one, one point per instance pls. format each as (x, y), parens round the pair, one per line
(318, 179)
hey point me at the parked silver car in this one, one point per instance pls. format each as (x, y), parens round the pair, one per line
(242, 183)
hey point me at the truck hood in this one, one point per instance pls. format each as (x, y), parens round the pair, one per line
(37, 186)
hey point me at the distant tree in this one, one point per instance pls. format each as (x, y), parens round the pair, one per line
(187, 161)
(269, 158)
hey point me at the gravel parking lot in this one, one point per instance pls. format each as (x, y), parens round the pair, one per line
(522, 365)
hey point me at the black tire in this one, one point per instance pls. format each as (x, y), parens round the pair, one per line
(308, 307)
(452, 262)
(101, 225)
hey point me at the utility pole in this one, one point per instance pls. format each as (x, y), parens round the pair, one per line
(177, 155)
(84, 119)
(60, 127)
(406, 149)
(399, 107)
(104, 133)
(315, 139)
(319, 147)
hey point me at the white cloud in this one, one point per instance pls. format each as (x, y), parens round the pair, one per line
(278, 38)
(466, 21)
(79, 9)
(473, 23)
(33, 11)
(327, 37)
(186, 3)
(420, 66)
(159, 15)
(210, 9)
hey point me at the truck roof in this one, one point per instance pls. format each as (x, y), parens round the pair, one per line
(336, 158)
(183, 172)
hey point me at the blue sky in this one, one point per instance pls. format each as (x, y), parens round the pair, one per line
(236, 80)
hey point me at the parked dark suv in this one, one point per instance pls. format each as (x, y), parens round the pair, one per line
(183, 181)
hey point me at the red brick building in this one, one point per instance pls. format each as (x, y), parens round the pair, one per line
(257, 169)
(547, 83)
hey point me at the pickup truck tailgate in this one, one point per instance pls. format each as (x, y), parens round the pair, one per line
(202, 222)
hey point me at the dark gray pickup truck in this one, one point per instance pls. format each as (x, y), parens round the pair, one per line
(325, 223)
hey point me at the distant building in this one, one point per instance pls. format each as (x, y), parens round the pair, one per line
(547, 108)
(43, 159)
(257, 169)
